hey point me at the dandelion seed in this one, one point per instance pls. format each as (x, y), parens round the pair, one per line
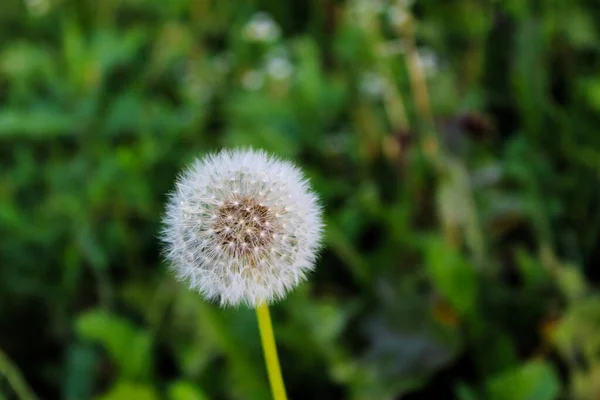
(246, 226)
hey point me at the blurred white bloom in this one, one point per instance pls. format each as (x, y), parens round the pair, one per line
(397, 15)
(253, 80)
(368, 6)
(279, 68)
(396, 10)
(261, 28)
(371, 84)
(429, 60)
(242, 227)
(38, 7)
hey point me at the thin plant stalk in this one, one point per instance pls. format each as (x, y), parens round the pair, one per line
(15, 379)
(270, 350)
(441, 161)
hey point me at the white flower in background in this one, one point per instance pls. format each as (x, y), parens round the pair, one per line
(396, 10)
(253, 79)
(371, 84)
(279, 68)
(430, 61)
(38, 7)
(242, 227)
(261, 28)
(397, 14)
(368, 6)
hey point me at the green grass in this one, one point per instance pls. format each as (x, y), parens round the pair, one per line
(462, 211)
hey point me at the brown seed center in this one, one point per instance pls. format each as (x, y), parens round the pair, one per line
(244, 227)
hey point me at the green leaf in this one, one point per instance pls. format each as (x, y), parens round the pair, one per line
(129, 391)
(535, 380)
(531, 270)
(464, 392)
(185, 391)
(39, 124)
(129, 347)
(81, 364)
(452, 276)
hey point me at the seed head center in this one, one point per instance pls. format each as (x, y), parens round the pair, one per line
(243, 226)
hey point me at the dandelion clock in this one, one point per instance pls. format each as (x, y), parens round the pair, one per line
(243, 227)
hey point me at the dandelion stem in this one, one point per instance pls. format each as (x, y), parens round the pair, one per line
(270, 351)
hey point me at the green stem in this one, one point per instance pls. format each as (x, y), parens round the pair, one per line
(14, 378)
(270, 350)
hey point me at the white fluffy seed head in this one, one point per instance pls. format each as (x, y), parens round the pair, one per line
(242, 227)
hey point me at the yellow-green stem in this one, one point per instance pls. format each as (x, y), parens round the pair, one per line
(270, 350)
(13, 375)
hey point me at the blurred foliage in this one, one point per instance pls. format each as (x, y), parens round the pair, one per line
(463, 215)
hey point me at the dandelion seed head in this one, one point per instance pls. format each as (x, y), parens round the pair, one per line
(242, 227)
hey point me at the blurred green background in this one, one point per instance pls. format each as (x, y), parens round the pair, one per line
(454, 144)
